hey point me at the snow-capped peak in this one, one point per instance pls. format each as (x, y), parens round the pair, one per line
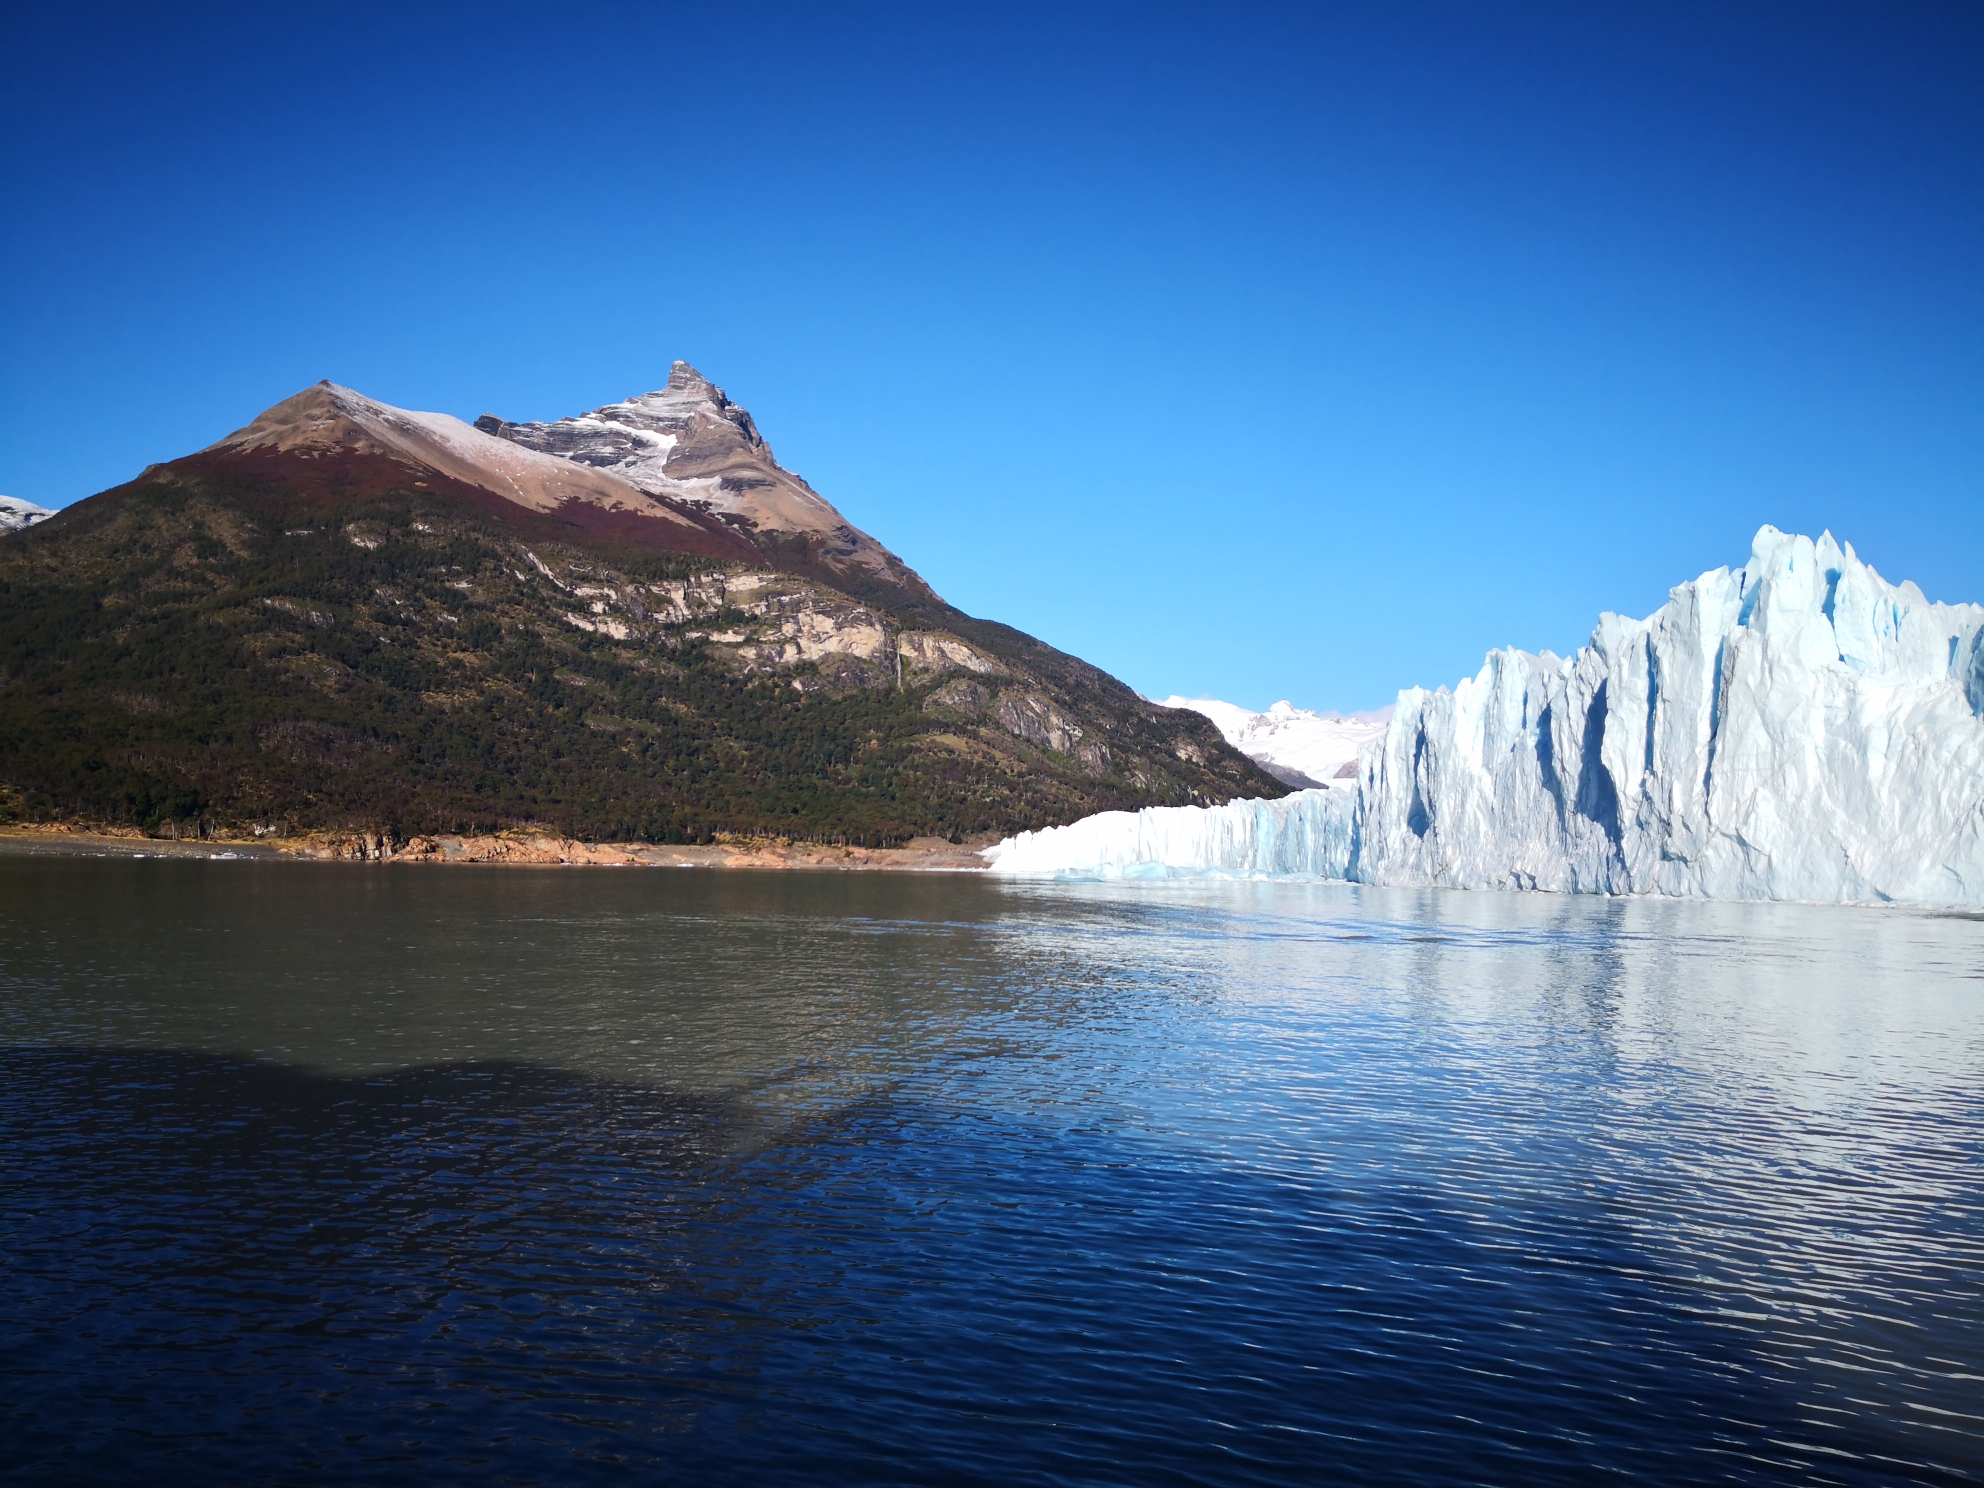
(689, 398)
(679, 441)
(688, 442)
(16, 514)
(328, 418)
(1297, 746)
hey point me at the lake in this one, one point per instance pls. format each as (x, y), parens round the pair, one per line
(402, 1174)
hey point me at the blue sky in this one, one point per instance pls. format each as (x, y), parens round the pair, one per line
(1263, 352)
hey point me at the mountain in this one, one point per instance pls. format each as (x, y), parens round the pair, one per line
(16, 514)
(1305, 749)
(329, 437)
(1798, 728)
(351, 616)
(690, 445)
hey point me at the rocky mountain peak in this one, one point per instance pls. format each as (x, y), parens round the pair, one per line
(683, 378)
(323, 416)
(691, 407)
(689, 443)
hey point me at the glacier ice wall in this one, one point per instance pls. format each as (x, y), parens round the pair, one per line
(1797, 728)
(1304, 834)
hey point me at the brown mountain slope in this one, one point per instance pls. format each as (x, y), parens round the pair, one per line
(331, 438)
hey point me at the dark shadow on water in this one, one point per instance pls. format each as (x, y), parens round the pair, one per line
(220, 1270)
(249, 1268)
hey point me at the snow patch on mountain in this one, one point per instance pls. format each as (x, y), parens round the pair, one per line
(636, 438)
(1297, 746)
(16, 514)
(1798, 728)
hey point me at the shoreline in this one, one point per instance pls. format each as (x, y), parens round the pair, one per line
(517, 850)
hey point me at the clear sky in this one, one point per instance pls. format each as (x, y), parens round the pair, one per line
(1258, 352)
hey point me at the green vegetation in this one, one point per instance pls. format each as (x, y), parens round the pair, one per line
(178, 652)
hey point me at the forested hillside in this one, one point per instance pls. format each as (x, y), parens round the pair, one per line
(259, 646)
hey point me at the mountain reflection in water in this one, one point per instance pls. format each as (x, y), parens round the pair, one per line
(401, 1174)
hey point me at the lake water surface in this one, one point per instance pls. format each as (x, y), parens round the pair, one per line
(348, 1174)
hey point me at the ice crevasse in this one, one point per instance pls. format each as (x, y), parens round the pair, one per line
(1797, 728)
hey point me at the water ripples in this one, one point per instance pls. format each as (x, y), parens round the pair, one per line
(396, 1177)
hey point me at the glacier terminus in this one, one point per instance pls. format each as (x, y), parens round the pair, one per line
(1794, 729)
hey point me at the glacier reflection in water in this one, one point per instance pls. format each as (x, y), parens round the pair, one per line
(396, 1174)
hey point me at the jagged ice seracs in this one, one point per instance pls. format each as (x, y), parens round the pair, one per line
(1797, 728)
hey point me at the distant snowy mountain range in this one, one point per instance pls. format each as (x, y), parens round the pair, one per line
(1797, 728)
(16, 514)
(1298, 747)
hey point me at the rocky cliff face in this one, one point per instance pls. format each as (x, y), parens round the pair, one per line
(690, 444)
(760, 622)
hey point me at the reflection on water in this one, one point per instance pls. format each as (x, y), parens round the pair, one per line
(401, 1174)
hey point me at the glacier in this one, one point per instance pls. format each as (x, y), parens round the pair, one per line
(1794, 729)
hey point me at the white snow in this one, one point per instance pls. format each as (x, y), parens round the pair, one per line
(16, 514)
(599, 437)
(636, 438)
(1304, 835)
(444, 443)
(1797, 728)
(529, 474)
(1295, 744)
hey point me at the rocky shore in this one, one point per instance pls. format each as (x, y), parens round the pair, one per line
(517, 849)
